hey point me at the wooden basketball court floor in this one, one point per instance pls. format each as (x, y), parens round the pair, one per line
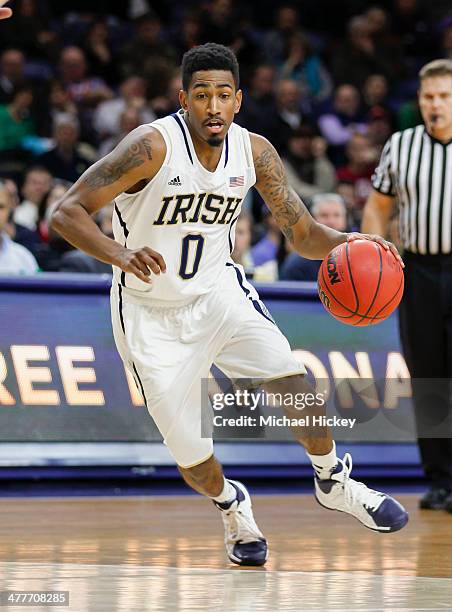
(167, 554)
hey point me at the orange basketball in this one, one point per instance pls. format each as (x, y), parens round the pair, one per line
(360, 283)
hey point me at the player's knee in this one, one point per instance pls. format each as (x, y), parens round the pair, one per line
(188, 450)
(199, 470)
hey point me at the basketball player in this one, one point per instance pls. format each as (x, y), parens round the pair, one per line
(180, 304)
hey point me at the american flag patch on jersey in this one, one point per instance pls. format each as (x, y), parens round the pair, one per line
(236, 181)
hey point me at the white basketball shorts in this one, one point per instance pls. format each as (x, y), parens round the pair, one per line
(169, 349)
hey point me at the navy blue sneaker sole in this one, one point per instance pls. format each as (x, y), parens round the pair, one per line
(255, 559)
(249, 563)
(395, 527)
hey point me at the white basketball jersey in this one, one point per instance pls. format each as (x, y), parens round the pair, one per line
(186, 213)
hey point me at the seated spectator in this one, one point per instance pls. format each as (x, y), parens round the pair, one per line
(65, 161)
(259, 103)
(242, 254)
(85, 90)
(48, 203)
(266, 249)
(411, 21)
(53, 247)
(329, 209)
(58, 102)
(219, 22)
(12, 63)
(14, 258)
(277, 40)
(379, 111)
(242, 243)
(20, 234)
(301, 65)
(30, 29)
(98, 52)
(37, 184)
(387, 43)
(16, 122)
(308, 169)
(289, 114)
(149, 53)
(362, 157)
(343, 119)
(347, 192)
(379, 127)
(169, 103)
(188, 33)
(132, 92)
(359, 56)
(375, 92)
(130, 119)
(268, 253)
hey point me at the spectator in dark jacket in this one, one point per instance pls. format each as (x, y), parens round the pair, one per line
(12, 63)
(64, 161)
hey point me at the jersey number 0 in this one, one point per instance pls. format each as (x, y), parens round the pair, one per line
(192, 246)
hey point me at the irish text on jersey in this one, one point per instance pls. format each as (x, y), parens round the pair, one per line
(208, 208)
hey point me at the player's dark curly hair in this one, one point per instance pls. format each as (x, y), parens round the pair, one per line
(209, 57)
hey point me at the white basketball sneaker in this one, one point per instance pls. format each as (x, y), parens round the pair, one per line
(375, 510)
(244, 541)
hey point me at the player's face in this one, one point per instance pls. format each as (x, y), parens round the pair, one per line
(211, 103)
(435, 102)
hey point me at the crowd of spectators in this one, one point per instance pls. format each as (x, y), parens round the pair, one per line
(325, 84)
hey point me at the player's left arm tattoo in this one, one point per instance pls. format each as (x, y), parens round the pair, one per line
(272, 184)
(309, 238)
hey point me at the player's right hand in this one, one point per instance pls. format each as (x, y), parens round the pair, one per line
(141, 263)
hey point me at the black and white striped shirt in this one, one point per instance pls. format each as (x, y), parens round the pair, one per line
(417, 169)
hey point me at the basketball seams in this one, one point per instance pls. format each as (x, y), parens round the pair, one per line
(377, 288)
(347, 248)
(393, 297)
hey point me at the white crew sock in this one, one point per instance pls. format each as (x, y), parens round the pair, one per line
(228, 494)
(324, 464)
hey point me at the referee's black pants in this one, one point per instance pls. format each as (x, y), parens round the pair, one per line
(425, 317)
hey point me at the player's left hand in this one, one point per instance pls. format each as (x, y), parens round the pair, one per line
(388, 246)
(5, 12)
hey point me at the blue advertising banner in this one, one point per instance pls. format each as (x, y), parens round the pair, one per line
(61, 378)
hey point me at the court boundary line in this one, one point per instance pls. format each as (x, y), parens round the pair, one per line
(215, 570)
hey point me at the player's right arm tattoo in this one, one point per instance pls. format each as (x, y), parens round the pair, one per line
(124, 158)
(272, 183)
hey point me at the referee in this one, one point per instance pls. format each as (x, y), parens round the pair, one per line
(415, 170)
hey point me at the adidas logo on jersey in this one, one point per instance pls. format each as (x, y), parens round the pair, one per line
(175, 181)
